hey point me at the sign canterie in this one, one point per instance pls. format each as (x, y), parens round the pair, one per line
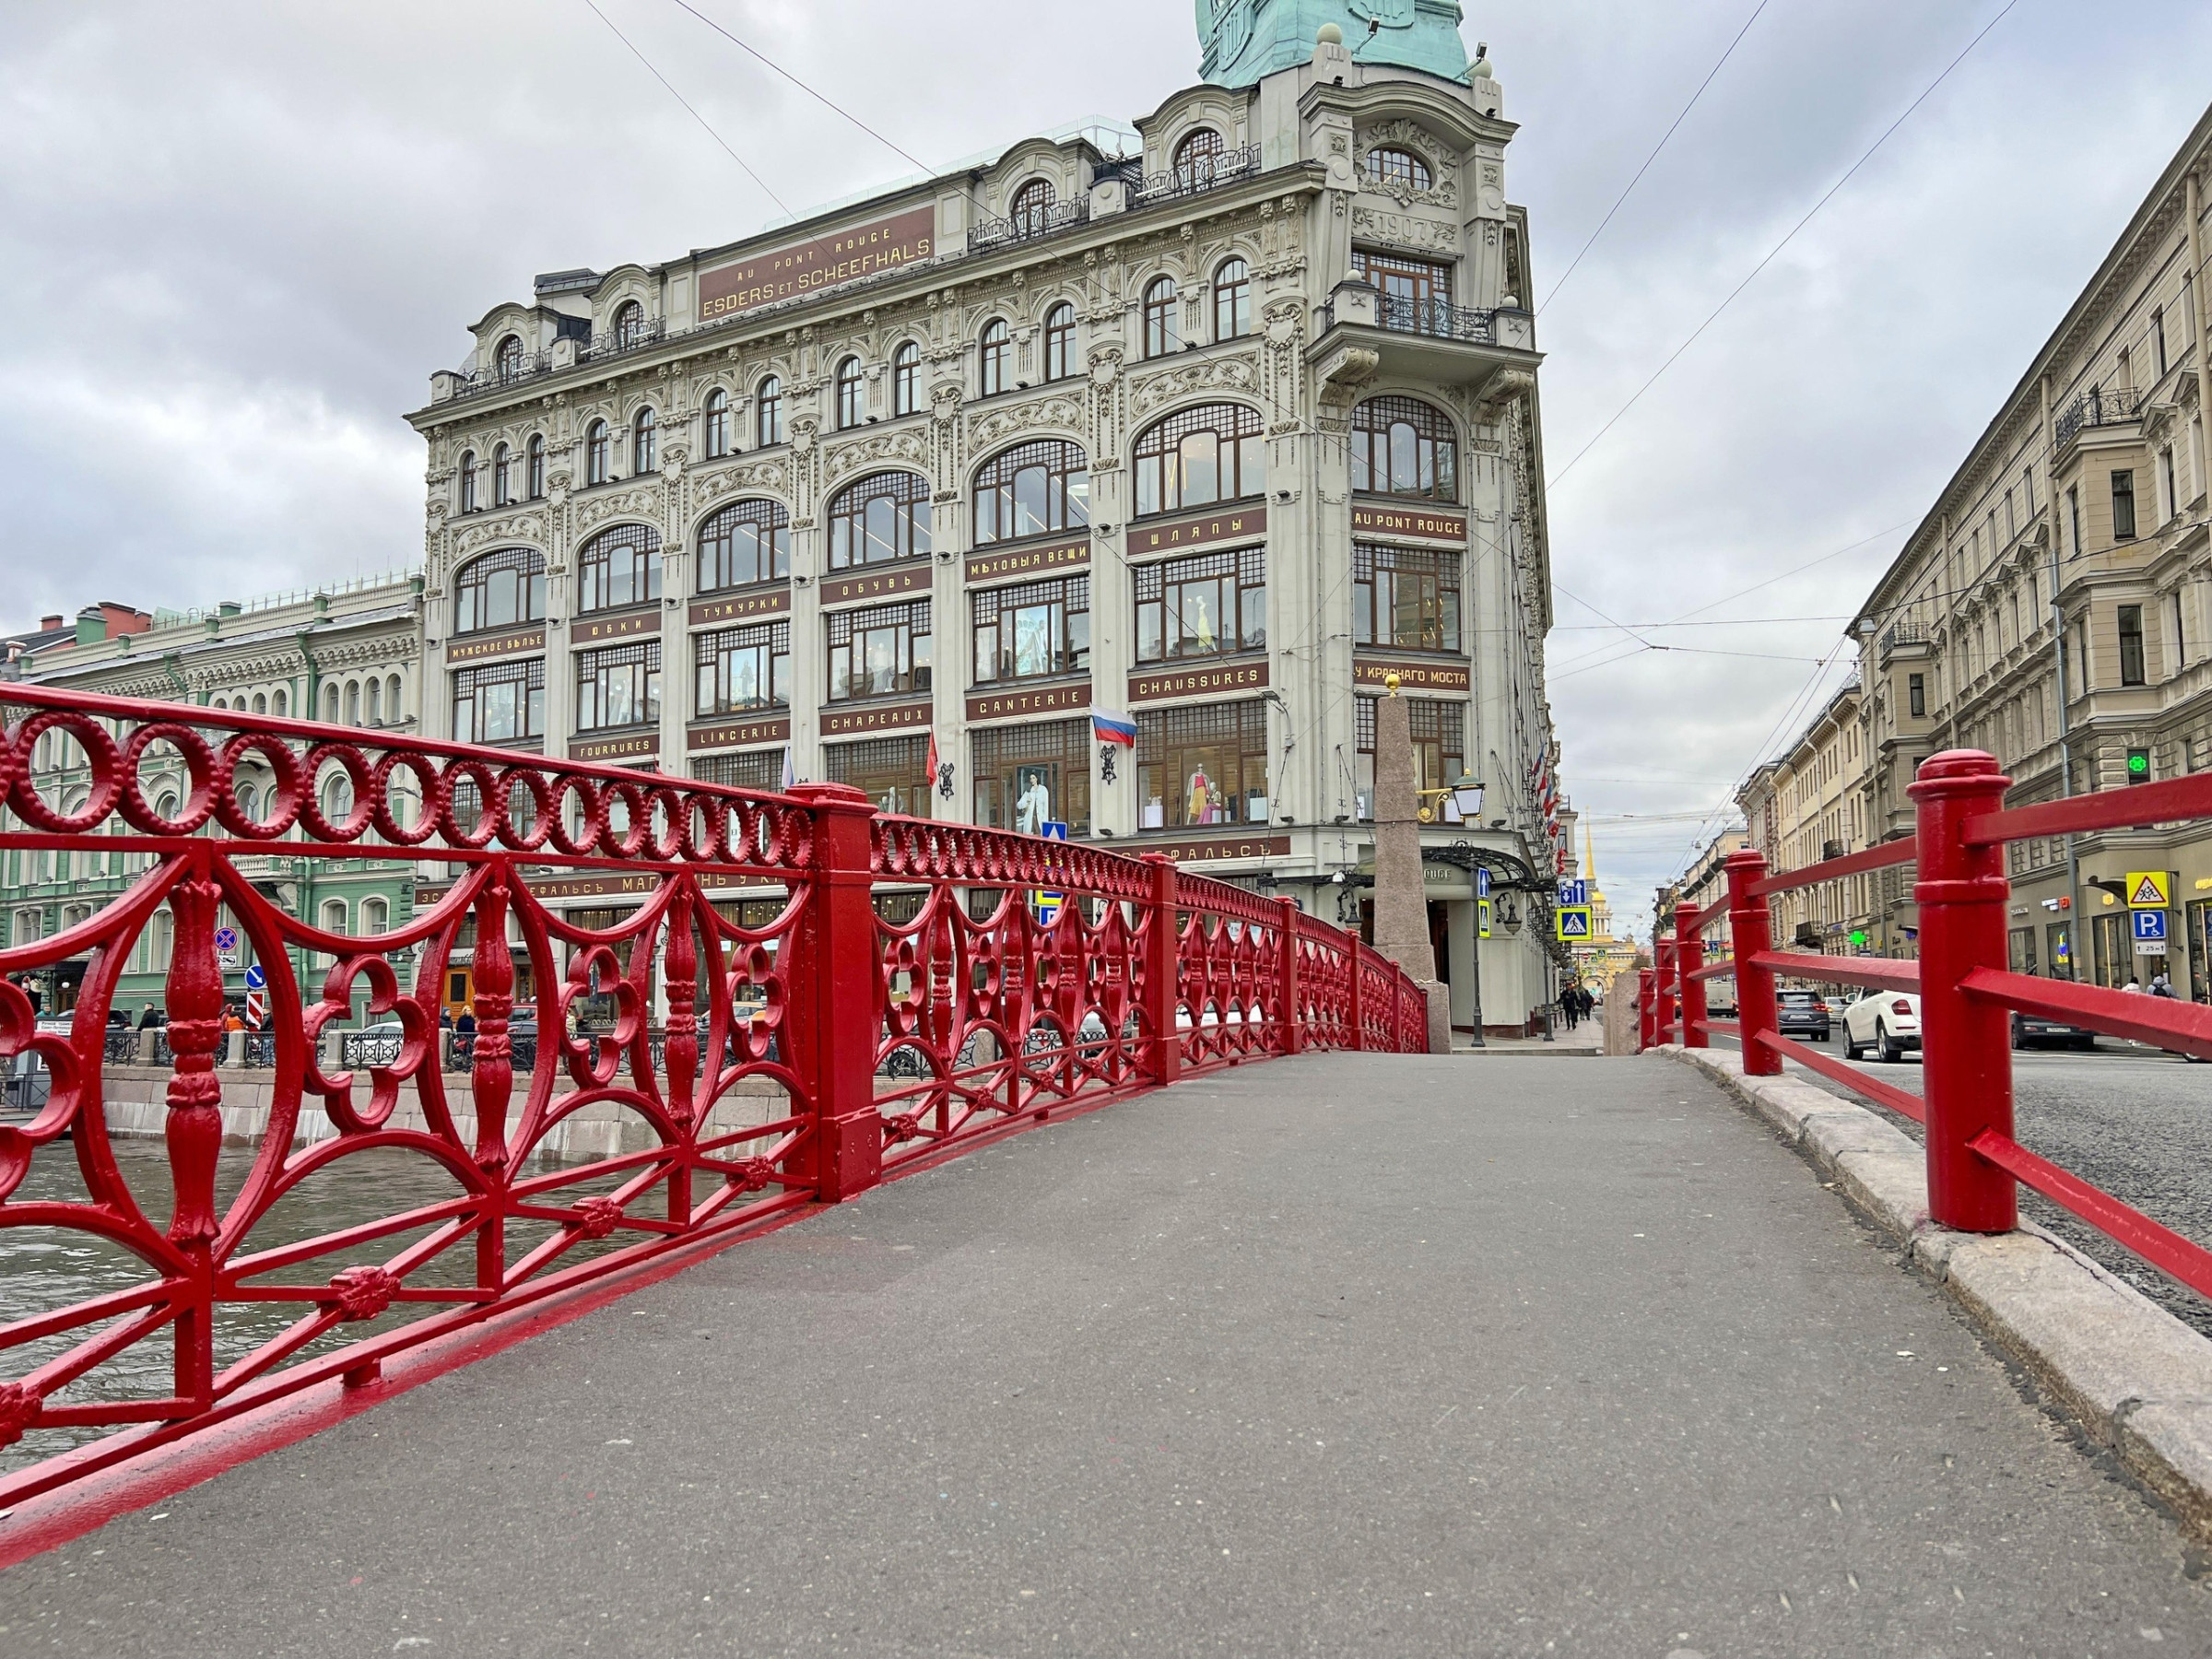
(804, 268)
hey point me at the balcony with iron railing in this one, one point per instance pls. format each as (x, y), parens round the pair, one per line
(1197, 176)
(1028, 225)
(2098, 408)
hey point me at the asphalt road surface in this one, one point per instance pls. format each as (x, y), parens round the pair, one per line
(2134, 1120)
(1344, 1354)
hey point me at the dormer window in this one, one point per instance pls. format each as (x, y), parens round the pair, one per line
(629, 325)
(1391, 168)
(1196, 157)
(510, 359)
(1033, 207)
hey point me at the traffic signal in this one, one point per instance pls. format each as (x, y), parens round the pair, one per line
(2138, 766)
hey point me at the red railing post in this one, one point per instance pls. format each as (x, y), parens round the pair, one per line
(1664, 956)
(1689, 945)
(1750, 931)
(1647, 1008)
(836, 984)
(1163, 952)
(1292, 998)
(1966, 1045)
(1358, 973)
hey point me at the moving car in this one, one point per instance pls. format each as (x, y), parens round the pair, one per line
(2032, 1031)
(1801, 1014)
(1885, 1021)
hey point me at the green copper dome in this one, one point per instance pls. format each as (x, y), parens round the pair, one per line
(1243, 40)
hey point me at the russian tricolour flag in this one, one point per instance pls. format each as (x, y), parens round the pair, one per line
(1110, 727)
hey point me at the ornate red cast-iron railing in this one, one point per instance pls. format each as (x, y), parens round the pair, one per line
(795, 1060)
(1966, 987)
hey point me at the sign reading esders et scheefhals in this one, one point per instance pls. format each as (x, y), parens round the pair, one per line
(822, 262)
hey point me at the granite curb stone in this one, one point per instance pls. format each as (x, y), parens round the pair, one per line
(2133, 1377)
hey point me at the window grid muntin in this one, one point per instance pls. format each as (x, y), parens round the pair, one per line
(1172, 747)
(718, 424)
(645, 441)
(717, 658)
(769, 411)
(1161, 327)
(1165, 458)
(995, 353)
(1007, 509)
(527, 679)
(619, 680)
(618, 568)
(906, 379)
(747, 542)
(998, 754)
(474, 587)
(894, 771)
(906, 519)
(1389, 165)
(1232, 299)
(1383, 465)
(1432, 576)
(848, 394)
(852, 632)
(1241, 572)
(1060, 342)
(1001, 657)
(747, 768)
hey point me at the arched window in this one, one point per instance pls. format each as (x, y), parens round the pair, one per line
(1060, 341)
(375, 915)
(334, 915)
(618, 568)
(770, 401)
(1402, 446)
(261, 703)
(280, 704)
(882, 517)
(1161, 330)
(848, 393)
(1034, 488)
(645, 442)
(997, 348)
(337, 797)
(1232, 299)
(504, 588)
(537, 467)
(394, 713)
(629, 325)
(1210, 453)
(597, 454)
(353, 702)
(906, 379)
(1196, 157)
(510, 359)
(745, 542)
(249, 800)
(503, 476)
(1389, 167)
(1033, 207)
(330, 714)
(376, 701)
(718, 424)
(468, 480)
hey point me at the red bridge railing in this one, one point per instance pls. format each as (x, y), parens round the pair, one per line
(795, 1058)
(1967, 994)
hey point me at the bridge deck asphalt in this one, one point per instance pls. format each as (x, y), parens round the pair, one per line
(1342, 1355)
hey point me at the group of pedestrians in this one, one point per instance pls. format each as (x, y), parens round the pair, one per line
(1577, 1004)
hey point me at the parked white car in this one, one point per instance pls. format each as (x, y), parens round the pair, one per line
(1886, 1021)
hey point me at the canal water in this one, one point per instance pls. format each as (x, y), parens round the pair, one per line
(43, 1268)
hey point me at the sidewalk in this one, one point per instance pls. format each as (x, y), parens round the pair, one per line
(1347, 1354)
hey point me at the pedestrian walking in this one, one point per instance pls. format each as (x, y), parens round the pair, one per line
(2133, 987)
(2162, 986)
(148, 1019)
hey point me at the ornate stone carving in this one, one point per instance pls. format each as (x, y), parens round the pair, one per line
(747, 478)
(844, 459)
(509, 526)
(1406, 134)
(1216, 374)
(988, 431)
(1405, 231)
(639, 501)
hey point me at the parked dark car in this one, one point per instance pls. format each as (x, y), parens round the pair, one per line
(2032, 1031)
(1801, 1014)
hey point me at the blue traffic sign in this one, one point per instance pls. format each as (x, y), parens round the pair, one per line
(1054, 829)
(255, 978)
(1574, 893)
(1482, 882)
(2150, 925)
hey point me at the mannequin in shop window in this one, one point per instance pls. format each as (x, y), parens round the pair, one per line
(1203, 807)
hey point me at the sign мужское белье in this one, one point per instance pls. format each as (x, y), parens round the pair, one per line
(511, 643)
(822, 262)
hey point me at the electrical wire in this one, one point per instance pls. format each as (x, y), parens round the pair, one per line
(687, 103)
(1556, 478)
(1653, 157)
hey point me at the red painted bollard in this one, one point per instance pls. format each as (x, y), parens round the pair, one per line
(1750, 931)
(1292, 997)
(1689, 945)
(840, 965)
(1662, 953)
(1647, 1008)
(1965, 1045)
(1163, 954)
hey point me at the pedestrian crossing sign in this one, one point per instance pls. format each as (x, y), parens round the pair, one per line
(1482, 915)
(2149, 890)
(1574, 923)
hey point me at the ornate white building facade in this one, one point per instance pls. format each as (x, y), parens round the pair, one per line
(1215, 426)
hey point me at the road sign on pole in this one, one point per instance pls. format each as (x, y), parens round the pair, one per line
(1482, 882)
(1574, 923)
(2150, 932)
(2149, 890)
(1574, 893)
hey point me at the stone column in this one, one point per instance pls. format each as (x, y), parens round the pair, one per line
(1401, 899)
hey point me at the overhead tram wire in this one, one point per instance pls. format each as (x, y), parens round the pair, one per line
(1775, 251)
(1632, 184)
(687, 103)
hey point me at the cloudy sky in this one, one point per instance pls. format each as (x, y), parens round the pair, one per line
(239, 238)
